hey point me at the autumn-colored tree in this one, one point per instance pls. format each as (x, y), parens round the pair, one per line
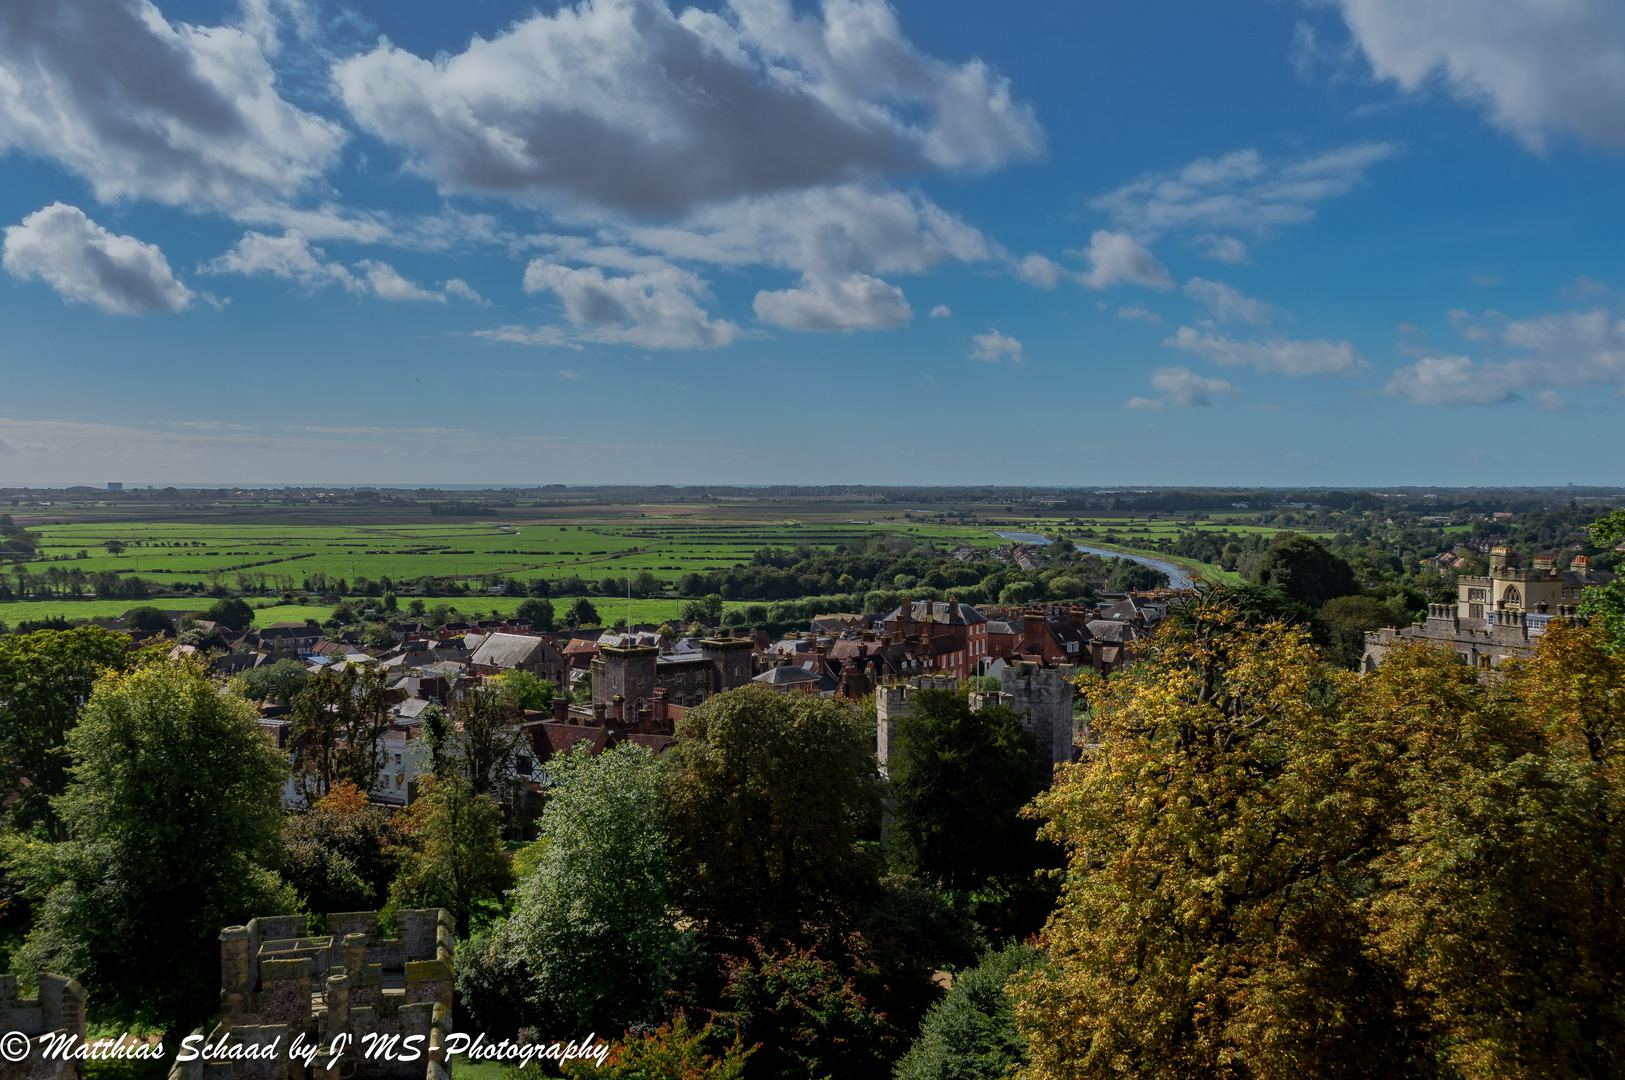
(673, 1051)
(1209, 924)
(341, 854)
(1278, 870)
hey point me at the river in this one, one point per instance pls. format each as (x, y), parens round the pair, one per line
(1177, 578)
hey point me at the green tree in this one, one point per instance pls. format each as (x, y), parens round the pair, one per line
(174, 815)
(280, 682)
(454, 856)
(538, 611)
(524, 690)
(805, 1016)
(971, 1034)
(488, 738)
(1306, 571)
(1603, 606)
(767, 799)
(339, 720)
(958, 781)
(378, 635)
(234, 614)
(114, 547)
(415, 607)
(1017, 593)
(143, 621)
(43, 678)
(594, 924)
(582, 613)
(1128, 576)
(1347, 618)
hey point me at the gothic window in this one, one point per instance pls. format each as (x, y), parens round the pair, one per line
(1512, 596)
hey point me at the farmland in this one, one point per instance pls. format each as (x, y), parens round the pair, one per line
(286, 559)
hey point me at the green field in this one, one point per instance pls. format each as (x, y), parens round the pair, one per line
(266, 552)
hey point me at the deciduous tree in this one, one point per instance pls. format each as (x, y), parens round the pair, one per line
(175, 820)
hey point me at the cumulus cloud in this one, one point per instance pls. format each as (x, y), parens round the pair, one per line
(289, 257)
(1278, 356)
(1227, 303)
(854, 302)
(1037, 270)
(1180, 387)
(88, 264)
(627, 104)
(1211, 198)
(142, 108)
(1537, 68)
(941, 311)
(993, 347)
(292, 258)
(1117, 257)
(1568, 349)
(655, 309)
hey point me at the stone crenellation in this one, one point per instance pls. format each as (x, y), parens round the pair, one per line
(58, 1010)
(278, 980)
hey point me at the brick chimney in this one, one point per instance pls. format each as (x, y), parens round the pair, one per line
(1032, 625)
(561, 707)
(1581, 563)
(619, 705)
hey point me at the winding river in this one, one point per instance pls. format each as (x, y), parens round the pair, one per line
(1177, 578)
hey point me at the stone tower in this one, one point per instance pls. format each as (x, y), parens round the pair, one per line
(627, 670)
(731, 657)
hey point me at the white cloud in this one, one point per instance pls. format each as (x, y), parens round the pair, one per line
(1118, 257)
(1453, 380)
(941, 311)
(626, 104)
(1037, 270)
(1227, 303)
(1225, 249)
(292, 258)
(289, 257)
(144, 109)
(1279, 356)
(1138, 313)
(1568, 349)
(87, 263)
(653, 310)
(1180, 387)
(1552, 401)
(387, 284)
(1239, 192)
(853, 302)
(994, 347)
(1537, 67)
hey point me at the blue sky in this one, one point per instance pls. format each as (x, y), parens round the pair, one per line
(1200, 242)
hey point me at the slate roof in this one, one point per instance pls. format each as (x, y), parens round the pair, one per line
(940, 611)
(786, 675)
(1112, 630)
(509, 651)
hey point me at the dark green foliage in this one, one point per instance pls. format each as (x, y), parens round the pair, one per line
(233, 614)
(43, 678)
(1128, 575)
(144, 621)
(767, 799)
(453, 855)
(809, 1018)
(1347, 618)
(971, 1034)
(958, 782)
(582, 613)
(1306, 572)
(537, 611)
(174, 813)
